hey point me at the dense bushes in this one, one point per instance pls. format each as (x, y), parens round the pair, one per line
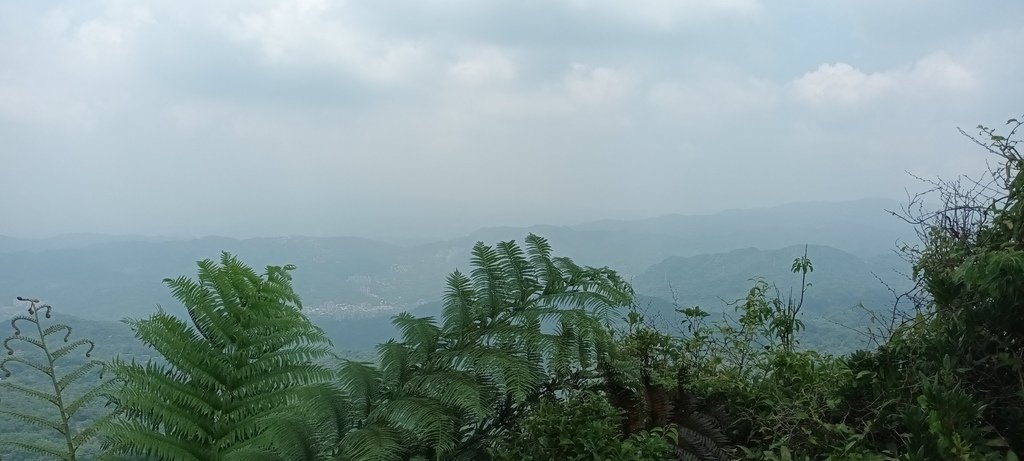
(582, 426)
(947, 382)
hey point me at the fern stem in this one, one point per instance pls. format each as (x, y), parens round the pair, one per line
(65, 428)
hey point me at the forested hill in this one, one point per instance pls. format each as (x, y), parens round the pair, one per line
(843, 289)
(838, 276)
(349, 281)
(112, 280)
(861, 227)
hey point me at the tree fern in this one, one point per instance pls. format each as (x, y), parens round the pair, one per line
(232, 376)
(63, 434)
(446, 388)
(659, 398)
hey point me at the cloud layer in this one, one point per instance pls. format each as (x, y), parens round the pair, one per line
(396, 118)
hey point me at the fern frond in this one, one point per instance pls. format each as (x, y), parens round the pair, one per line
(95, 427)
(457, 314)
(487, 278)
(518, 271)
(395, 362)
(33, 420)
(29, 392)
(184, 411)
(513, 374)
(310, 429)
(267, 364)
(40, 367)
(298, 333)
(232, 375)
(102, 389)
(292, 439)
(374, 442)
(21, 338)
(700, 445)
(77, 373)
(442, 389)
(417, 331)
(61, 404)
(138, 439)
(424, 417)
(58, 327)
(39, 448)
(171, 337)
(16, 328)
(264, 386)
(210, 324)
(68, 348)
(453, 390)
(539, 251)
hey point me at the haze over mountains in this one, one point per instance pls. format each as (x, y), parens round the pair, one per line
(353, 285)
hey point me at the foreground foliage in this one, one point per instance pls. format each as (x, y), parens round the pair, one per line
(946, 381)
(229, 378)
(530, 359)
(519, 322)
(582, 426)
(50, 352)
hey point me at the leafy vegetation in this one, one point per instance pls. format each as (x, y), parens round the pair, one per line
(246, 360)
(446, 389)
(582, 426)
(536, 357)
(945, 381)
(847, 290)
(61, 432)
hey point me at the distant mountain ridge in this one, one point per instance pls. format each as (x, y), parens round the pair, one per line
(346, 278)
(839, 279)
(66, 241)
(816, 220)
(843, 287)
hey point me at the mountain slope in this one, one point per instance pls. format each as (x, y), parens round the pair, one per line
(113, 280)
(353, 278)
(840, 283)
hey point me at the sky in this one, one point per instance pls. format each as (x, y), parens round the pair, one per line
(412, 118)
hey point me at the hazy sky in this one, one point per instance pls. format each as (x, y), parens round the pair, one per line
(393, 118)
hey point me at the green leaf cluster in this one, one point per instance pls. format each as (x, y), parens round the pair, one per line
(245, 360)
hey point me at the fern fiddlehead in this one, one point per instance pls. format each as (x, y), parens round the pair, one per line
(54, 393)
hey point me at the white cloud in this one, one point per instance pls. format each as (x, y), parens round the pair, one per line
(33, 104)
(520, 104)
(598, 85)
(340, 97)
(941, 71)
(668, 13)
(196, 116)
(725, 96)
(98, 42)
(843, 84)
(318, 32)
(66, 61)
(483, 66)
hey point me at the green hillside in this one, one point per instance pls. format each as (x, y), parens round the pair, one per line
(353, 286)
(840, 283)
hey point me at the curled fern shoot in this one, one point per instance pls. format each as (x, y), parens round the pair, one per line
(62, 432)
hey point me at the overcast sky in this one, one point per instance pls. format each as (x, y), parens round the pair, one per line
(394, 118)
